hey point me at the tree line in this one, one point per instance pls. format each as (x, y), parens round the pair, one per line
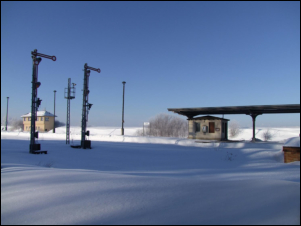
(164, 125)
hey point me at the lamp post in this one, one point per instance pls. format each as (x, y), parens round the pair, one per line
(6, 115)
(54, 113)
(122, 129)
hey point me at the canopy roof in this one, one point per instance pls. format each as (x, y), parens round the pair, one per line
(247, 110)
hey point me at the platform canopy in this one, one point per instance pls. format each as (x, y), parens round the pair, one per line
(252, 110)
(246, 110)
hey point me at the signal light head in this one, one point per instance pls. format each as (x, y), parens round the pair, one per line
(37, 61)
(38, 84)
(39, 102)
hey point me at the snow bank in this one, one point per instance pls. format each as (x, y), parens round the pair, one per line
(293, 142)
(37, 195)
(147, 180)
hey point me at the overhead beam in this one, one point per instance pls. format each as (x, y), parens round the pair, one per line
(259, 109)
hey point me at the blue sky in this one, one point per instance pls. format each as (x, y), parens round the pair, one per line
(171, 55)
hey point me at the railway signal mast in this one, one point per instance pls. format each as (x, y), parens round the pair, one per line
(35, 148)
(86, 106)
(69, 95)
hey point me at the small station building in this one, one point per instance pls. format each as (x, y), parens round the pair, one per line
(208, 128)
(44, 121)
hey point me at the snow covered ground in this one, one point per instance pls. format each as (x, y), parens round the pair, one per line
(149, 180)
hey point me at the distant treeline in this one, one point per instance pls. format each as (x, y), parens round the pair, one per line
(164, 125)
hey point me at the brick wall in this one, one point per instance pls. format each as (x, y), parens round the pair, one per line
(291, 154)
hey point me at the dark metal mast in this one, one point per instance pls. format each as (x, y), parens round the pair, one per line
(69, 94)
(86, 106)
(122, 129)
(54, 112)
(6, 115)
(35, 101)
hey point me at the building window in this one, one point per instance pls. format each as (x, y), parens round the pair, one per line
(197, 127)
(24, 119)
(41, 118)
(46, 118)
(29, 119)
(211, 127)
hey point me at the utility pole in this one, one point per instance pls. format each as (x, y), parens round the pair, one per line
(122, 129)
(35, 101)
(54, 113)
(6, 114)
(86, 106)
(69, 94)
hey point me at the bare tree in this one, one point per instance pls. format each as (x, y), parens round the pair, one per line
(267, 135)
(234, 128)
(3, 121)
(164, 125)
(139, 132)
(17, 124)
(14, 124)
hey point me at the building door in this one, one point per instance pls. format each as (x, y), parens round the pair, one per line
(211, 127)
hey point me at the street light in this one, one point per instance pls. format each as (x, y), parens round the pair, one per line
(6, 115)
(122, 129)
(54, 113)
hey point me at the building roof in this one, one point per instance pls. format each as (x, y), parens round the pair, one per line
(247, 110)
(40, 113)
(209, 117)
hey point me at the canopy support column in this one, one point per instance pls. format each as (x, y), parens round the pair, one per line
(254, 115)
